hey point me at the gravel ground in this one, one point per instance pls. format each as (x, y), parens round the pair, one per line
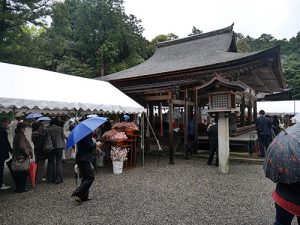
(189, 192)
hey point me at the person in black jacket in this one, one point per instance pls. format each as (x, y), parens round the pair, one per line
(213, 142)
(5, 148)
(84, 157)
(264, 132)
(287, 203)
(38, 140)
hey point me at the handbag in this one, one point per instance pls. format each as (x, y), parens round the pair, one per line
(48, 145)
(20, 165)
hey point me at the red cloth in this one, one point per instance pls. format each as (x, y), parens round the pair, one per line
(288, 206)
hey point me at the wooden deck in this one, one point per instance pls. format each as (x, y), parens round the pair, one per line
(237, 143)
(241, 141)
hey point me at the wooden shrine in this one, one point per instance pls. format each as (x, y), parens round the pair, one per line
(178, 78)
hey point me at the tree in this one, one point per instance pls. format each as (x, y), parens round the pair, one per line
(159, 38)
(93, 34)
(195, 31)
(243, 44)
(290, 54)
(17, 16)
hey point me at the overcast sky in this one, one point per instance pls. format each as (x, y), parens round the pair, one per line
(281, 18)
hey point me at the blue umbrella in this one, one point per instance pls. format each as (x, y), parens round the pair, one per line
(44, 118)
(126, 117)
(83, 129)
(33, 115)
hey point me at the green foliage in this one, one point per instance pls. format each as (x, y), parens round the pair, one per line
(95, 37)
(160, 38)
(290, 55)
(86, 37)
(17, 31)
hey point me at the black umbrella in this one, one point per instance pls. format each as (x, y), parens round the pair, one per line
(282, 162)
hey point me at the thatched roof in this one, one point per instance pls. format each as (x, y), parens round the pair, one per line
(191, 52)
(216, 49)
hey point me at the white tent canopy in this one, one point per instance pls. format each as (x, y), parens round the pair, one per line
(33, 90)
(279, 107)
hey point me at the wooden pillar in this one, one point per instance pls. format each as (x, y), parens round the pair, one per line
(161, 128)
(186, 118)
(250, 112)
(242, 108)
(147, 124)
(223, 134)
(171, 134)
(143, 139)
(254, 110)
(196, 118)
(151, 115)
(147, 130)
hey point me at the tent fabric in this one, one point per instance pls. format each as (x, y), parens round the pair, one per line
(45, 91)
(279, 107)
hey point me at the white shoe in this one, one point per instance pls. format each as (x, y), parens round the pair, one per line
(4, 187)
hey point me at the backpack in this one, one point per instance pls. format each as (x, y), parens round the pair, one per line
(48, 145)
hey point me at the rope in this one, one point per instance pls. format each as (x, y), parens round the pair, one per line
(157, 141)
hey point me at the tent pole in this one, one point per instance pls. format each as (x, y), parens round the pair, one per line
(142, 139)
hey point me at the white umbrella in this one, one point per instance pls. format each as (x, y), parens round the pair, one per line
(91, 116)
(69, 123)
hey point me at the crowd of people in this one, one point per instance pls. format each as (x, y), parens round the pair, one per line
(286, 196)
(48, 146)
(21, 150)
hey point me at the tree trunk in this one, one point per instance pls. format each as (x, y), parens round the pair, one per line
(102, 70)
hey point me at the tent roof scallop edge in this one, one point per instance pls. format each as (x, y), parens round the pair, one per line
(42, 90)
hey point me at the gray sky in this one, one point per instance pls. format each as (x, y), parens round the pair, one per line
(281, 18)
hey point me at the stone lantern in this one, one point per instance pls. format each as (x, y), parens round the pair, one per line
(222, 98)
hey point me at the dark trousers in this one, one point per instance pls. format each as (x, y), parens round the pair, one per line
(213, 149)
(8, 163)
(190, 147)
(88, 177)
(1, 171)
(264, 142)
(54, 172)
(20, 181)
(283, 217)
(40, 169)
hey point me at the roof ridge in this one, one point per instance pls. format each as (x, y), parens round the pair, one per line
(195, 37)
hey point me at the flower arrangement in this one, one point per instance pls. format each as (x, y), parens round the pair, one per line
(114, 135)
(125, 126)
(118, 154)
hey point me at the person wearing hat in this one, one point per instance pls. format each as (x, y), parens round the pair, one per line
(5, 148)
(21, 150)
